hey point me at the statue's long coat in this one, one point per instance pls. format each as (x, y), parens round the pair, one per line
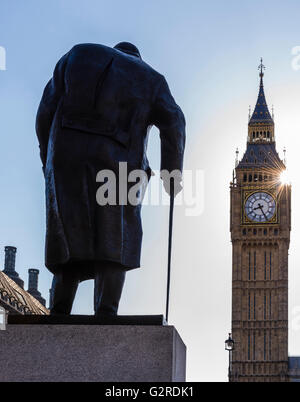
(95, 112)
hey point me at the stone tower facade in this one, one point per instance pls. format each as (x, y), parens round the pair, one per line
(260, 224)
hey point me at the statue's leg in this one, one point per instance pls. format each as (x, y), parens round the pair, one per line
(109, 282)
(64, 287)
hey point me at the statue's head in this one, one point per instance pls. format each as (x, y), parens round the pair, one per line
(128, 48)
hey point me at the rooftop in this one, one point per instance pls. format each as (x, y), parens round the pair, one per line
(16, 300)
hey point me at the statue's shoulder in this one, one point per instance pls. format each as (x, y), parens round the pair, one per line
(91, 48)
(84, 51)
(142, 67)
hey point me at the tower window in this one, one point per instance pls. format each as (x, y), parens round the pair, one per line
(255, 176)
(260, 177)
(250, 177)
(249, 346)
(265, 263)
(245, 177)
(244, 232)
(276, 232)
(255, 233)
(265, 134)
(265, 233)
(249, 276)
(249, 307)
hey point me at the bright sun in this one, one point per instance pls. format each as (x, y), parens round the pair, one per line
(284, 177)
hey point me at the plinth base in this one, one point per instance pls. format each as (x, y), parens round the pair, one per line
(84, 353)
(86, 320)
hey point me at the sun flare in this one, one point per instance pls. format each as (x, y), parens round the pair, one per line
(284, 177)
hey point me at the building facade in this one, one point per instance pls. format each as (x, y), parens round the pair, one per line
(260, 224)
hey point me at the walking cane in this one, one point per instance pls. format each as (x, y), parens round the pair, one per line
(170, 244)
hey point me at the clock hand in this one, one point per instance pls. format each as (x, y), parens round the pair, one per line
(264, 215)
(261, 208)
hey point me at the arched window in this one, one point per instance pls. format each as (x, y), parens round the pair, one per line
(245, 177)
(250, 177)
(260, 177)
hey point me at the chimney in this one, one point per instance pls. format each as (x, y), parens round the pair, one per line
(9, 265)
(33, 280)
(10, 259)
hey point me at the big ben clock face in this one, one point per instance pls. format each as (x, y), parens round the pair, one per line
(260, 207)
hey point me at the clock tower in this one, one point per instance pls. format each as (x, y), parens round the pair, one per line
(260, 224)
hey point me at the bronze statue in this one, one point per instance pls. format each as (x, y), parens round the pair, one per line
(96, 112)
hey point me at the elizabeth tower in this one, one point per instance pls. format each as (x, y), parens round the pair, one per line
(260, 224)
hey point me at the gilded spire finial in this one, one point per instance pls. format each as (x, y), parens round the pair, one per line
(237, 157)
(261, 67)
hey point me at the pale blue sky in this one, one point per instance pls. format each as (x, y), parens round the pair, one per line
(209, 53)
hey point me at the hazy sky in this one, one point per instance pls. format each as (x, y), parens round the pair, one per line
(209, 53)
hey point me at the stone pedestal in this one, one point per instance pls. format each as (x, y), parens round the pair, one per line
(116, 353)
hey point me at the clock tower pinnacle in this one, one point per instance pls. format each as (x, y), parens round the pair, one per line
(260, 224)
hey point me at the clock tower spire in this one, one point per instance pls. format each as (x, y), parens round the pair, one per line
(261, 124)
(260, 225)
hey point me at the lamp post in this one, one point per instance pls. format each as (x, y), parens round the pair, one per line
(229, 346)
